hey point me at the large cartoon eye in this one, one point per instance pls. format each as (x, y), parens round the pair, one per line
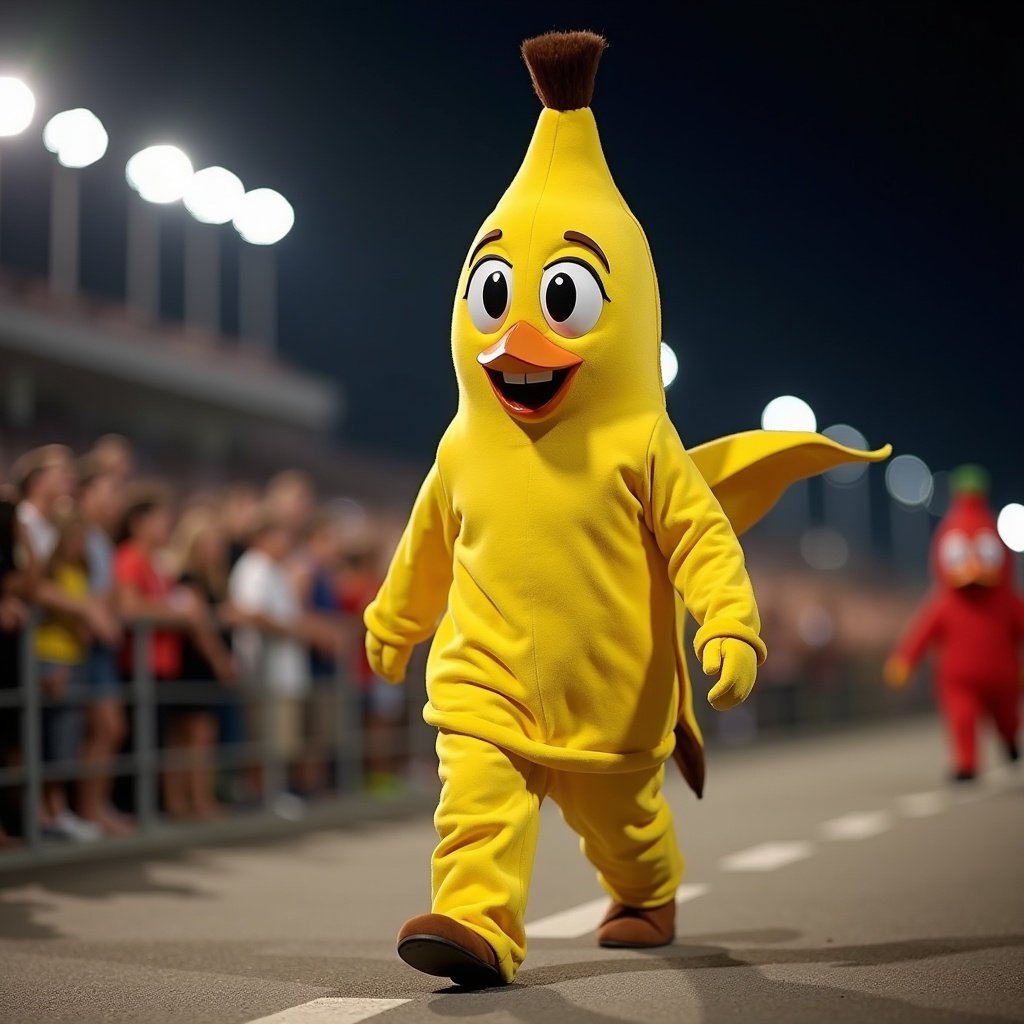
(954, 550)
(572, 297)
(989, 549)
(489, 294)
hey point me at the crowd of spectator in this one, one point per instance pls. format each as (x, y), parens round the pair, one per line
(233, 592)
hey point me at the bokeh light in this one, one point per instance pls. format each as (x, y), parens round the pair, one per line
(816, 626)
(669, 364)
(213, 195)
(77, 137)
(787, 412)
(844, 434)
(264, 217)
(17, 105)
(160, 174)
(1010, 524)
(824, 548)
(909, 480)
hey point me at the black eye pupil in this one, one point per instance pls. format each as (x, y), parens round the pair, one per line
(495, 294)
(560, 297)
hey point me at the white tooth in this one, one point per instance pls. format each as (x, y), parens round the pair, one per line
(514, 378)
(538, 378)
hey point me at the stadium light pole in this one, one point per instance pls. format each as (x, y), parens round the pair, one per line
(159, 175)
(17, 108)
(847, 494)
(787, 412)
(77, 138)
(212, 196)
(263, 218)
(909, 483)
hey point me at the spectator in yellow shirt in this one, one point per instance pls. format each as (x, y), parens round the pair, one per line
(62, 643)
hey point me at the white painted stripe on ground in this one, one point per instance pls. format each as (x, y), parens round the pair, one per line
(857, 825)
(329, 1010)
(584, 919)
(767, 856)
(922, 805)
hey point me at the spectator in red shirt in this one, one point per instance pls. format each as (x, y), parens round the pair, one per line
(146, 594)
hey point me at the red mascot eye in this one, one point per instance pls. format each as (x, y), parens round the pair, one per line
(989, 549)
(954, 550)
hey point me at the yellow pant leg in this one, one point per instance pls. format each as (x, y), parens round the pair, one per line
(626, 832)
(488, 822)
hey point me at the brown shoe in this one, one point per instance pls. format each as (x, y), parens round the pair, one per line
(439, 945)
(634, 928)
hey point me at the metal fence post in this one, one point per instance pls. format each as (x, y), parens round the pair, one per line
(348, 731)
(31, 736)
(272, 767)
(144, 724)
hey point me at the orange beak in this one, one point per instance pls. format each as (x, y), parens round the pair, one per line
(974, 572)
(529, 374)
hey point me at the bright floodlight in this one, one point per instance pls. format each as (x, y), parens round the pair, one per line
(264, 217)
(669, 364)
(849, 474)
(787, 412)
(909, 480)
(1011, 526)
(17, 105)
(213, 195)
(160, 174)
(76, 136)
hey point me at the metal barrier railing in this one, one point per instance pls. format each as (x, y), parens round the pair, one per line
(143, 760)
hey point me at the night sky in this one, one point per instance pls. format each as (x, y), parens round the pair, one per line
(832, 191)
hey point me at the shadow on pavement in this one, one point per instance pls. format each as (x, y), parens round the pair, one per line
(99, 882)
(530, 1000)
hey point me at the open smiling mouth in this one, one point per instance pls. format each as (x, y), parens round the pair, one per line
(529, 392)
(529, 374)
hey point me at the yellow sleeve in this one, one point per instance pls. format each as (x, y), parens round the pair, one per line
(413, 596)
(705, 560)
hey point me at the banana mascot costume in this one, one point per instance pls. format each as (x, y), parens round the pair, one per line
(553, 548)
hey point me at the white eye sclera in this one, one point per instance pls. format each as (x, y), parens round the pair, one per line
(571, 298)
(954, 550)
(989, 549)
(489, 295)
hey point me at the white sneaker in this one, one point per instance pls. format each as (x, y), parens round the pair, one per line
(290, 807)
(68, 825)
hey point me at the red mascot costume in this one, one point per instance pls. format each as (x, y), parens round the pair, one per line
(975, 619)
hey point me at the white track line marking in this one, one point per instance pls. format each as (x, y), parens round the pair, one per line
(767, 856)
(330, 1010)
(584, 919)
(857, 825)
(922, 805)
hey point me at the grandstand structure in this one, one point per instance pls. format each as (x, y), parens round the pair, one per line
(199, 407)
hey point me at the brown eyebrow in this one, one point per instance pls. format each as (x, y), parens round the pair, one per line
(587, 242)
(491, 236)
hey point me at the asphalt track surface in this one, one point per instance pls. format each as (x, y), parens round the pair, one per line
(829, 880)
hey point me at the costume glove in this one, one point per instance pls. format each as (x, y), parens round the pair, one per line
(386, 660)
(896, 672)
(735, 664)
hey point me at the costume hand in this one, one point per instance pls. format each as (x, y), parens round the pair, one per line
(896, 672)
(387, 661)
(735, 663)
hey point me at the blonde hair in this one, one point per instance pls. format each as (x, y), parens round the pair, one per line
(67, 524)
(193, 525)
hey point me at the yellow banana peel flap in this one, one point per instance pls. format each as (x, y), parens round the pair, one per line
(749, 472)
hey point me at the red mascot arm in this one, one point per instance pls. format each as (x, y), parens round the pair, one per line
(924, 630)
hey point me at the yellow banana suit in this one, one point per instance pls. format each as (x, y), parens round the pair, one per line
(558, 536)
